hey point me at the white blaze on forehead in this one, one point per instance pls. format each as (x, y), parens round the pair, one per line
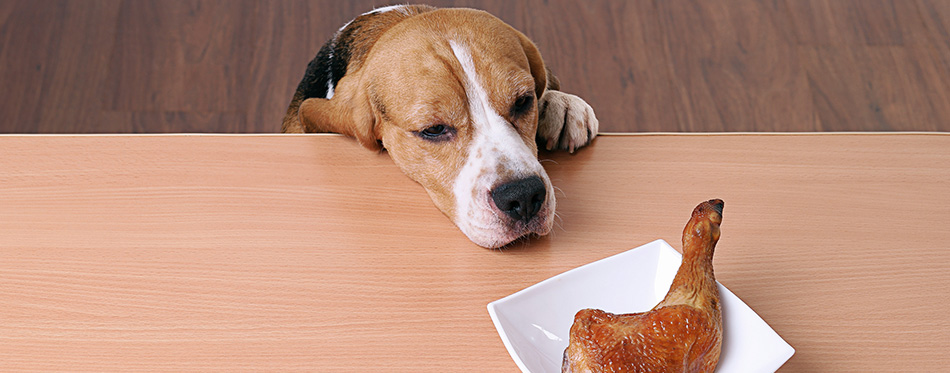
(495, 145)
(492, 132)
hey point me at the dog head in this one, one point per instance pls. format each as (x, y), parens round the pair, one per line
(452, 96)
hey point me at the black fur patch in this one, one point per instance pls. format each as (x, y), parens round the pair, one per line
(328, 66)
(331, 62)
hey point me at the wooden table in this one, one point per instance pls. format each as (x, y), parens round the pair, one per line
(280, 252)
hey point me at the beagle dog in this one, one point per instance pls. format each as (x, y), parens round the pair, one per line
(460, 100)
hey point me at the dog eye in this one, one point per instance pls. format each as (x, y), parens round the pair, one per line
(438, 132)
(522, 105)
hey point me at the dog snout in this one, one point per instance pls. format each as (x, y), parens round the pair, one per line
(520, 199)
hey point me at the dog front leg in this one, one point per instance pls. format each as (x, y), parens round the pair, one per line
(565, 121)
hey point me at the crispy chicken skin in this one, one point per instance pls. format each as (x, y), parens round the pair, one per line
(683, 333)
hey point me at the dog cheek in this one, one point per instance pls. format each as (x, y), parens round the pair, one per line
(440, 187)
(429, 171)
(530, 134)
(532, 145)
(444, 202)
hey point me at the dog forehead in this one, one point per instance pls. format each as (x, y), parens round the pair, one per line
(426, 35)
(423, 93)
(416, 71)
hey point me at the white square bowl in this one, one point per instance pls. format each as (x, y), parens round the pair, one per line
(535, 323)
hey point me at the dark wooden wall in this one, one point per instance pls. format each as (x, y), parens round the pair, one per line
(95, 66)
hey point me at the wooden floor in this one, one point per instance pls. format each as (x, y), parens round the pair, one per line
(102, 66)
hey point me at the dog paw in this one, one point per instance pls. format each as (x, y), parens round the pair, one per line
(565, 121)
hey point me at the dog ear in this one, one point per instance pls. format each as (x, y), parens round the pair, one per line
(543, 78)
(348, 113)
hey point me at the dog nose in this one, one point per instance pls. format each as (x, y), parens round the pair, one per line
(520, 199)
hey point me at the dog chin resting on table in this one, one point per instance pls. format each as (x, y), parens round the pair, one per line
(460, 100)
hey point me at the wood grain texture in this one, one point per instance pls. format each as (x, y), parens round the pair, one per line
(299, 252)
(146, 66)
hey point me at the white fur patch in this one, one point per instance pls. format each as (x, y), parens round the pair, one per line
(330, 87)
(495, 145)
(387, 9)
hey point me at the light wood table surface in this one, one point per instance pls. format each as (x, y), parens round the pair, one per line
(281, 252)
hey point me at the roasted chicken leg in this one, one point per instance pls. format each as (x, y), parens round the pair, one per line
(683, 333)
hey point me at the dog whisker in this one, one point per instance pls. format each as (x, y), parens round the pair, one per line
(557, 223)
(559, 190)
